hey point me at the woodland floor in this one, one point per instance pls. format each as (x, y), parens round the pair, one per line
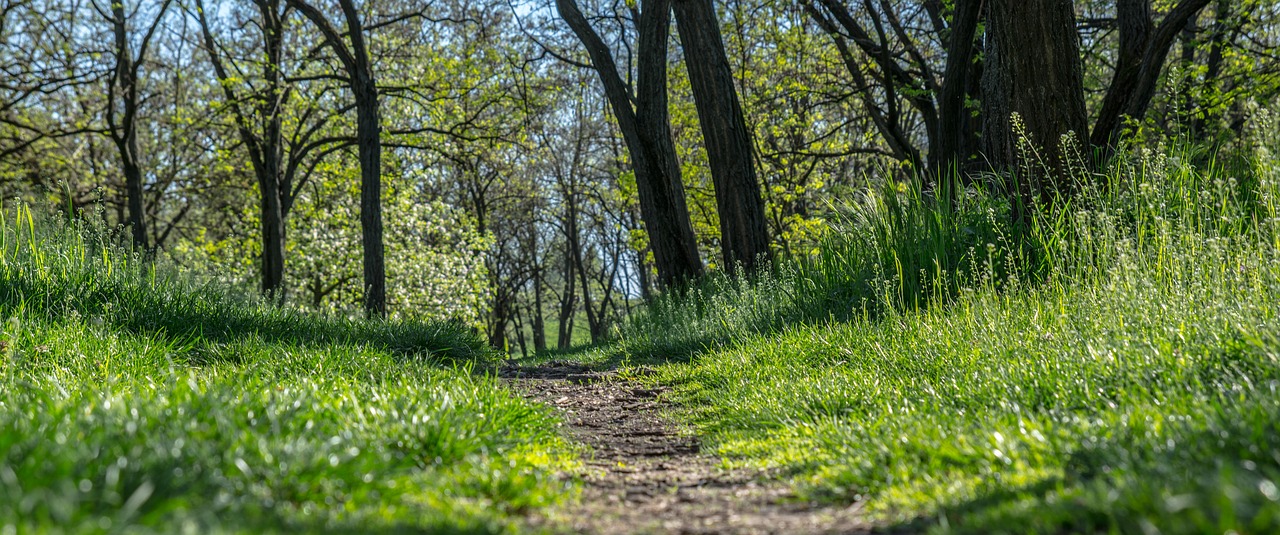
(644, 475)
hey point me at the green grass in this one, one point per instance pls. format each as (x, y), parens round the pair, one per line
(137, 400)
(1113, 367)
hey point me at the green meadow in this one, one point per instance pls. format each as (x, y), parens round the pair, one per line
(134, 399)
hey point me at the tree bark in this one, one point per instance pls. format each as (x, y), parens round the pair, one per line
(536, 322)
(1032, 69)
(567, 302)
(369, 144)
(744, 240)
(269, 183)
(647, 132)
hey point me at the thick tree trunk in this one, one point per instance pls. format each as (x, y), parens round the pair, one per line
(956, 136)
(647, 133)
(744, 239)
(1032, 69)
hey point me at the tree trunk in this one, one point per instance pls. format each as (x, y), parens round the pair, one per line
(647, 132)
(574, 241)
(1143, 50)
(501, 316)
(518, 323)
(536, 321)
(1133, 25)
(956, 135)
(355, 61)
(565, 331)
(265, 148)
(744, 239)
(1213, 64)
(1032, 69)
(125, 133)
(369, 148)
(272, 153)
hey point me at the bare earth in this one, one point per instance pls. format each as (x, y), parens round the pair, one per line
(646, 477)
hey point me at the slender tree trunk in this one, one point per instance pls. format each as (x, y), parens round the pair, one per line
(518, 323)
(1032, 69)
(536, 321)
(567, 302)
(955, 132)
(272, 153)
(369, 149)
(134, 191)
(265, 143)
(647, 132)
(370, 154)
(1134, 27)
(1213, 64)
(125, 132)
(501, 316)
(355, 61)
(574, 241)
(744, 240)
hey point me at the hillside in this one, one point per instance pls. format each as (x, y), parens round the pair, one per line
(137, 400)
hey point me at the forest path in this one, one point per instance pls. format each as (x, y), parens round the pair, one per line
(644, 476)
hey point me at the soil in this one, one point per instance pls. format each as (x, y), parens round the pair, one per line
(644, 475)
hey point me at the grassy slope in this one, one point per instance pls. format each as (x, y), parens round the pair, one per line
(1115, 368)
(131, 399)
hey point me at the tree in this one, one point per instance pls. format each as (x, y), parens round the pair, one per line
(646, 130)
(122, 123)
(1143, 49)
(743, 237)
(354, 58)
(265, 145)
(1033, 71)
(283, 127)
(898, 67)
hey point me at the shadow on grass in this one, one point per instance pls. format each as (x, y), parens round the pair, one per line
(204, 318)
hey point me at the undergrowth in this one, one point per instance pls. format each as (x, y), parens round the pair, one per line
(1112, 366)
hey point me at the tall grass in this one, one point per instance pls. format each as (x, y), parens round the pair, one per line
(1111, 366)
(896, 249)
(136, 399)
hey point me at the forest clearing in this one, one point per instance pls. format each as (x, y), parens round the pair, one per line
(641, 266)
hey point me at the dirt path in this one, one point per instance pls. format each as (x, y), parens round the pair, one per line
(645, 477)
